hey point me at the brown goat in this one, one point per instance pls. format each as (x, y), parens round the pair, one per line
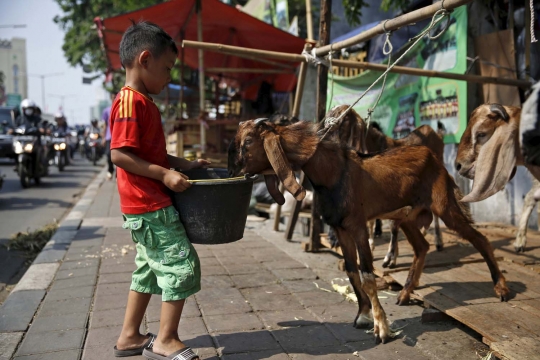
(408, 178)
(352, 131)
(489, 153)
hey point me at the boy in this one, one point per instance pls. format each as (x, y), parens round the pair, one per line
(167, 263)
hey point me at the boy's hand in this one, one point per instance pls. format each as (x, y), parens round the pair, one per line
(199, 163)
(176, 181)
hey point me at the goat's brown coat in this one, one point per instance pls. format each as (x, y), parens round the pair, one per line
(401, 177)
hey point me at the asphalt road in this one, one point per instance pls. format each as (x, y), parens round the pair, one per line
(31, 208)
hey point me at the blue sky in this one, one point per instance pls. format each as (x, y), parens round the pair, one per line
(44, 54)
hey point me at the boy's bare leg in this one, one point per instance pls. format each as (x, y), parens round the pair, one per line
(168, 341)
(130, 337)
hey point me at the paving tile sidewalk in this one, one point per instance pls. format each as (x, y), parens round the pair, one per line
(260, 299)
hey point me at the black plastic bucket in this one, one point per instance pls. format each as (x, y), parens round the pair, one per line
(214, 212)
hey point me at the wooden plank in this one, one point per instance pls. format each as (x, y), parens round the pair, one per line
(526, 348)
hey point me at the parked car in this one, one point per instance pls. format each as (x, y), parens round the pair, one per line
(7, 124)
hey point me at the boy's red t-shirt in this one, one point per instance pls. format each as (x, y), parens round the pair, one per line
(136, 124)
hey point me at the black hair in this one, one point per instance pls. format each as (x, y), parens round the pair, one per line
(144, 36)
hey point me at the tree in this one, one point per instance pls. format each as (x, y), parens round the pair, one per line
(81, 42)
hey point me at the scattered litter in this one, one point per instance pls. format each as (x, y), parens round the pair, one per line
(124, 251)
(504, 336)
(70, 274)
(389, 293)
(298, 318)
(488, 356)
(382, 297)
(320, 288)
(356, 353)
(268, 292)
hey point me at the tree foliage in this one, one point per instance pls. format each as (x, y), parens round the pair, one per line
(81, 41)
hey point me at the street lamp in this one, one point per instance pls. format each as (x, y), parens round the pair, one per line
(15, 26)
(42, 77)
(62, 97)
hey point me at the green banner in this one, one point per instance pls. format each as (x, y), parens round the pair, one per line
(410, 101)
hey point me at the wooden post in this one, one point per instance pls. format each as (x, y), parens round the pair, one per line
(527, 41)
(309, 21)
(201, 77)
(179, 134)
(322, 87)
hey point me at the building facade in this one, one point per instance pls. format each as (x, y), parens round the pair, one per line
(14, 77)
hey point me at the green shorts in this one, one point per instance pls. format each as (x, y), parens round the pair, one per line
(167, 263)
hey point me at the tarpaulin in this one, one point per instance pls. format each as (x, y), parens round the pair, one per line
(221, 24)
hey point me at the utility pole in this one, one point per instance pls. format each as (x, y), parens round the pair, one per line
(42, 77)
(62, 97)
(322, 87)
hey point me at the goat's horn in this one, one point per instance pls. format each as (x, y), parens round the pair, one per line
(259, 121)
(499, 110)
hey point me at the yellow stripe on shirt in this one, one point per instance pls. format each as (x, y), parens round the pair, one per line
(130, 104)
(120, 107)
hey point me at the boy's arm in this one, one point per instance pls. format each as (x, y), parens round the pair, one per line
(184, 164)
(125, 159)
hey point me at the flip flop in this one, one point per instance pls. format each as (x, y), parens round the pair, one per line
(137, 351)
(182, 354)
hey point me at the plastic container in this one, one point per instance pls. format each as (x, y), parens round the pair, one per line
(214, 212)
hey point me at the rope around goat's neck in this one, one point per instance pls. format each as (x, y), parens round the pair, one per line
(439, 15)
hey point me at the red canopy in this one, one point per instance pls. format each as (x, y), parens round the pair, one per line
(222, 24)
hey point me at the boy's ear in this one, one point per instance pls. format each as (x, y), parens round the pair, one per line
(143, 58)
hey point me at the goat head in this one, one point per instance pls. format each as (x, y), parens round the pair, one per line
(488, 149)
(257, 149)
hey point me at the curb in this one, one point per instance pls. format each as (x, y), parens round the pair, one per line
(17, 312)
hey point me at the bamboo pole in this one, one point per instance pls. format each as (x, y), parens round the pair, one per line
(391, 24)
(241, 52)
(249, 70)
(309, 21)
(238, 51)
(300, 86)
(432, 73)
(182, 67)
(201, 76)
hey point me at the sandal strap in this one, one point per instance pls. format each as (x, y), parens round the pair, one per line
(185, 354)
(151, 340)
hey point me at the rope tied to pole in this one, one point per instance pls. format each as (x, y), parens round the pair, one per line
(442, 13)
(312, 58)
(533, 37)
(387, 50)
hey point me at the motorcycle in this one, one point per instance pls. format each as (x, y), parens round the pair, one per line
(58, 154)
(31, 155)
(94, 150)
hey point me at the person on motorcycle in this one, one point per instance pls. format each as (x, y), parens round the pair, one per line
(61, 123)
(30, 114)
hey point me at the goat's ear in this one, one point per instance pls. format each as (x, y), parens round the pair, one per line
(272, 183)
(500, 111)
(495, 163)
(281, 166)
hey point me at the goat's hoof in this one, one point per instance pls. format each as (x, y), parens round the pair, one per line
(363, 321)
(519, 249)
(502, 291)
(439, 247)
(377, 234)
(403, 299)
(386, 263)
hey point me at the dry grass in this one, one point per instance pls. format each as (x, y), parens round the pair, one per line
(31, 243)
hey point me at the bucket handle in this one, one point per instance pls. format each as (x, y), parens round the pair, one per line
(251, 177)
